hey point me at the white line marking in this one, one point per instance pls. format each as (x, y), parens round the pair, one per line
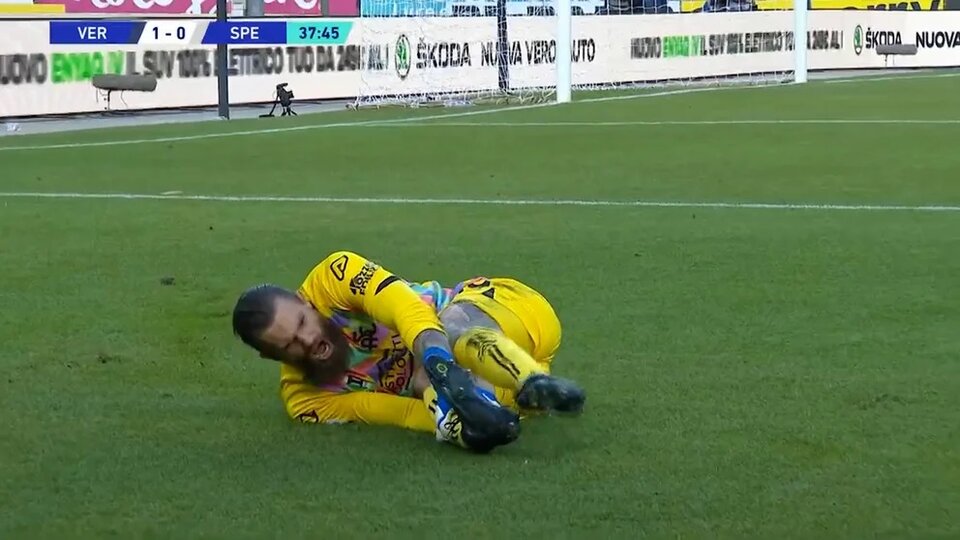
(371, 123)
(491, 202)
(851, 121)
(172, 193)
(402, 121)
(677, 92)
(894, 77)
(180, 138)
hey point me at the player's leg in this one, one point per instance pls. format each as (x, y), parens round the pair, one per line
(480, 345)
(455, 387)
(470, 409)
(494, 342)
(478, 436)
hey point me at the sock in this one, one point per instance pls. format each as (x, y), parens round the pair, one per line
(449, 427)
(447, 421)
(495, 358)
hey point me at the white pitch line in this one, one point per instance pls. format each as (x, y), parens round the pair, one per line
(402, 121)
(371, 123)
(895, 77)
(490, 202)
(678, 92)
(266, 131)
(851, 121)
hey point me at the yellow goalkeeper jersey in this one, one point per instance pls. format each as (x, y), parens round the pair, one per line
(380, 314)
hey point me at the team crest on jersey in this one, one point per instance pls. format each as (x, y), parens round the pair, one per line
(364, 337)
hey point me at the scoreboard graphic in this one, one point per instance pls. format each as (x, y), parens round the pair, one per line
(198, 32)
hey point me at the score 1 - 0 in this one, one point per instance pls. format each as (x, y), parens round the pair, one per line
(168, 32)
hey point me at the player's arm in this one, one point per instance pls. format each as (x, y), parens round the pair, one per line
(309, 405)
(306, 403)
(349, 281)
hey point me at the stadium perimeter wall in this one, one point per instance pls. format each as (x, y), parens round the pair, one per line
(37, 78)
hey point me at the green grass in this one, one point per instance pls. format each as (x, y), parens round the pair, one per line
(751, 373)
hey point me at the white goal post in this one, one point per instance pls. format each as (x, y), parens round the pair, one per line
(799, 29)
(466, 51)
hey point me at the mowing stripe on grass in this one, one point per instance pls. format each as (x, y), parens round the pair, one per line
(839, 121)
(490, 202)
(894, 77)
(266, 131)
(399, 121)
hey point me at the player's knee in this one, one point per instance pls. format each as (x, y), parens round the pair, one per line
(458, 319)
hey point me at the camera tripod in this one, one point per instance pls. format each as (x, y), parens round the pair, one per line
(283, 98)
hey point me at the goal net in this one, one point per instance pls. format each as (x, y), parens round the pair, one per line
(459, 52)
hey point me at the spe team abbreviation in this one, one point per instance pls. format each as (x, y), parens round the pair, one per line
(244, 32)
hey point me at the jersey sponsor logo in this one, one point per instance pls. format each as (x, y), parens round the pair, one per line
(397, 370)
(359, 282)
(339, 267)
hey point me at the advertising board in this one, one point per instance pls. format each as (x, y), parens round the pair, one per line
(399, 56)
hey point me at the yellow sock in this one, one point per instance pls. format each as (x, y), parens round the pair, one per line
(495, 358)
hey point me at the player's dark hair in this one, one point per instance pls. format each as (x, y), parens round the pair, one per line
(255, 310)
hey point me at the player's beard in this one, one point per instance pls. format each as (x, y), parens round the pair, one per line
(331, 370)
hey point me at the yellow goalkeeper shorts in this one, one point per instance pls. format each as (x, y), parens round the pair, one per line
(522, 313)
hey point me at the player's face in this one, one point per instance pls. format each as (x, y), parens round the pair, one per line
(301, 337)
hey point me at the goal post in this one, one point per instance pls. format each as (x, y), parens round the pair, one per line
(800, 33)
(461, 52)
(564, 56)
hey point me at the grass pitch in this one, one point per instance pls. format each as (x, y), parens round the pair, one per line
(751, 373)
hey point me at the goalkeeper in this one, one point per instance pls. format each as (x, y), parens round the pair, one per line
(358, 344)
